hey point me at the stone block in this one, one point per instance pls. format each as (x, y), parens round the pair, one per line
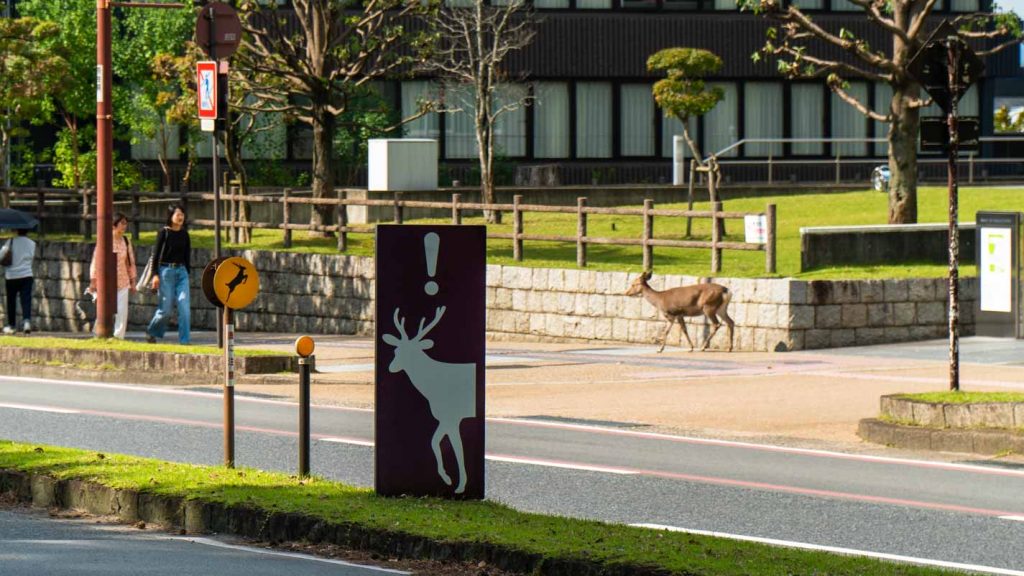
(854, 315)
(596, 305)
(602, 282)
(872, 291)
(572, 280)
(535, 301)
(779, 290)
(957, 415)
(539, 279)
(1018, 415)
(828, 316)
(566, 303)
(767, 315)
(798, 292)
(603, 329)
(503, 298)
(760, 343)
(876, 431)
(950, 440)
(537, 323)
(843, 337)
(912, 437)
(817, 339)
(897, 334)
(991, 442)
(868, 336)
(519, 298)
(904, 314)
(931, 313)
(553, 325)
(797, 317)
(880, 315)
(847, 291)
(494, 274)
(587, 282)
(581, 305)
(928, 414)
(921, 290)
(896, 290)
(620, 329)
(992, 415)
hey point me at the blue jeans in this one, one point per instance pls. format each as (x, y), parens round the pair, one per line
(173, 291)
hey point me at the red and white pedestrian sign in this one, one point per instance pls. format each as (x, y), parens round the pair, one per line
(206, 89)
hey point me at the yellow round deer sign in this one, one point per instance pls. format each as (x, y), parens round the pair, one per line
(236, 283)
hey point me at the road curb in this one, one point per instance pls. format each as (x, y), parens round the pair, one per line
(978, 441)
(190, 516)
(123, 376)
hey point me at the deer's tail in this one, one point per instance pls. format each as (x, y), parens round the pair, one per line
(723, 310)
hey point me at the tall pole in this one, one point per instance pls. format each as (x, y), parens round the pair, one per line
(953, 48)
(106, 282)
(212, 17)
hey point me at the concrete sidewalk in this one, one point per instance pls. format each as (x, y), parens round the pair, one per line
(797, 398)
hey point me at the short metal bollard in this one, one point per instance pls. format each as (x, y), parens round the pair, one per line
(304, 346)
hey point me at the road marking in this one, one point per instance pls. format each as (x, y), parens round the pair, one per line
(294, 555)
(1014, 518)
(39, 408)
(838, 550)
(763, 447)
(560, 464)
(353, 441)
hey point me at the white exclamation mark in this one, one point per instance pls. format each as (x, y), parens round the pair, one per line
(431, 242)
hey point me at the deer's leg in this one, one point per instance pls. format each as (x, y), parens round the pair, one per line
(682, 324)
(435, 443)
(664, 337)
(709, 312)
(455, 437)
(730, 324)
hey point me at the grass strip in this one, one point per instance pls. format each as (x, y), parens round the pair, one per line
(960, 397)
(449, 521)
(123, 346)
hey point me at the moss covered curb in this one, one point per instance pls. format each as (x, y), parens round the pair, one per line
(977, 441)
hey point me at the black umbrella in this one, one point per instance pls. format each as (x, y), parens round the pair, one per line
(16, 219)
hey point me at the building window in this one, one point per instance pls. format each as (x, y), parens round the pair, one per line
(510, 127)
(593, 120)
(721, 123)
(883, 102)
(166, 139)
(551, 4)
(415, 94)
(671, 127)
(681, 4)
(845, 6)
(726, 5)
(459, 126)
(762, 117)
(594, 4)
(551, 120)
(639, 4)
(636, 121)
(809, 4)
(848, 122)
(963, 6)
(807, 111)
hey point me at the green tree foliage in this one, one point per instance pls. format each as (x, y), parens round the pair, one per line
(29, 74)
(683, 94)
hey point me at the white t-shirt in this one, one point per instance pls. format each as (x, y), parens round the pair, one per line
(24, 252)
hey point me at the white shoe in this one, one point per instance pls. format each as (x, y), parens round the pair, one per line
(8, 330)
(27, 327)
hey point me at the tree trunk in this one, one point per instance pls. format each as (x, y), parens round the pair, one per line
(485, 148)
(233, 151)
(323, 167)
(903, 156)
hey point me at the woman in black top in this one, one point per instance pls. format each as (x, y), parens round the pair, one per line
(172, 262)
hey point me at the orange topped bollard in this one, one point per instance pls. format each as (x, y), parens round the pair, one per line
(304, 347)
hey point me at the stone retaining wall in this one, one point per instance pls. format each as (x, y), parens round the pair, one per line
(332, 294)
(1005, 415)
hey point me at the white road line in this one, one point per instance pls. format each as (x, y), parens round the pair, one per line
(764, 447)
(1014, 518)
(837, 550)
(557, 464)
(294, 555)
(353, 441)
(38, 408)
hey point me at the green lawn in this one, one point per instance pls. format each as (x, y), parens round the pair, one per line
(475, 522)
(122, 345)
(961, 397)
(793, 212)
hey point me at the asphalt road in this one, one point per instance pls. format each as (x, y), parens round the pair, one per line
(33, 544)
(967, 514)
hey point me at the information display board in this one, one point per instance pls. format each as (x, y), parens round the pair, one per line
(998, 310)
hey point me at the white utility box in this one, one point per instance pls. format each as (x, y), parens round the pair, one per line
(404, 164)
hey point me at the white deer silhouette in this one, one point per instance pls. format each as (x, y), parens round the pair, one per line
(449, 388)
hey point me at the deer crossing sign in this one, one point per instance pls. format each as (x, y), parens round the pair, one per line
(429, 369)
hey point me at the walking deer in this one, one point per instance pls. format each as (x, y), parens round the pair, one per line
(711, 300)
(449, 388)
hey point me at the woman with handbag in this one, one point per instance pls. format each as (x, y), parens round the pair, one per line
(170, 263)
(124, 255)
(18, 253)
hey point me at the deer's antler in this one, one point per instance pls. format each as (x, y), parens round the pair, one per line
(400, 324)
(437, 318)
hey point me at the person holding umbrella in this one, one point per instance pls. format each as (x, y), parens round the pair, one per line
(18, 278)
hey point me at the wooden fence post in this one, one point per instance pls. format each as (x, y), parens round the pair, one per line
(648, 250)
(769, 247)
(136, 214)
(286, 217)
(716, 237)
(225, 189)
(341, 211)
(5, 198)
(86, 226)
(40, 210)
(581, 233)
(456, 211)
(517, 228)
(398, 209)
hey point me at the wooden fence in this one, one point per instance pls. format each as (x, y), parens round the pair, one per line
(288, 199)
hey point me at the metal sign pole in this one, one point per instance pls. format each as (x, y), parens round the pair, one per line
(216, 165)
(953, 50)
(304, 369)
(229, 388)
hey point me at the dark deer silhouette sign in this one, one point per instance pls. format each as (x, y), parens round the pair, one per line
(239, 279)
(449, 388)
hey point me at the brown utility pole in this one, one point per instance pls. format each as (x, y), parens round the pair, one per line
(953, 50)
(106, 283)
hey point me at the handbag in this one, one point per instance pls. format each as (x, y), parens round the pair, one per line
(145, 277)
(8, 258)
